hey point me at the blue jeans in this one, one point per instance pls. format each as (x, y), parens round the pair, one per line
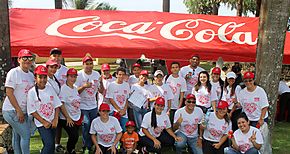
(89, 116)
(47, 137)
(123, 123)
(138, 115)
(190, 141)
(20, 132)
(229, 150)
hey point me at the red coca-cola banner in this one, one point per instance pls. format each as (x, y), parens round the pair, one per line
(129, 34)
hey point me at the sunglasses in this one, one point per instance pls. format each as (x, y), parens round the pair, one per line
(248, 80)
(105, 111)
(27, 58)
(191, 102)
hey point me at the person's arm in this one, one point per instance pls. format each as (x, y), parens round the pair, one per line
(171, 133)
(213, 104)
(181, 99)
(157, 143)
(123, 111)
(45, 123)
(177, 124)
(101, 88)
(55, 119)
(84, 86)
(234, 144)
(95, 142)
(221, 142)
(113, 147)
(200, 133)
(115, 104)
(69, 121)
(14, 103)
(168, 107)
(263, 113)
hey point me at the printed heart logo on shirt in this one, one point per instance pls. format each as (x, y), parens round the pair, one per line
(215, 133)
(193, 80)
(107, 137)
(46, 109)
(174, 89)
(121, 99)
(250, 107)
(76, 104)
(158, 130)
(90, 91)
(203, 99)
(27, 88)
(244, 147)
(189, 129)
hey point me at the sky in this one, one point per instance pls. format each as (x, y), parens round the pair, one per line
(176, 6)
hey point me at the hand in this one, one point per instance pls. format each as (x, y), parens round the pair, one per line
(54, 122)
(199, 142)
(180, 119)
(261, 122)
(122, 112)
(216, 145)
(230, 115)
(98, 150)
(253, 137)
(157, 144)
(69, 122)
(113, 149)
(87, 85)
(46, 124)
(20, 115)
(178, 139)
(168, 112)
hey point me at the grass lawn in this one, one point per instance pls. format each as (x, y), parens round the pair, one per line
(281, 140)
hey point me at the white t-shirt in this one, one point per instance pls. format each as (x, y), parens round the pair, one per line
(101, 97)
(51, 82)
(106, 132)
(163, 122)
(177, 85)
(21, 82)
(243, 141)
(218, 88)
(253, 102)
(88, 96)
(194, 77)
(189, 125)
(283, 88)
(46, 107)
(71, 99)
(132, 80)
(215, 128)
(203, 97)
(61, 74)
(119, 93)
(227, 95)
(136, 88)
(163, 91)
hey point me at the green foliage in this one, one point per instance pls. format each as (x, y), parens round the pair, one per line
(248, 6)
(88, 5)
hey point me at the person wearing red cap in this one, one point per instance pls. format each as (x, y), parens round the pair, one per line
(52, 81)
(136, 69)
(18, 81)
(89, 83)
(205, 94)
(190, 73)
(118, 94)
(43, 104)
(70, 117)
(140, 106)
(107, 78)
(216, 127)
(216, 82)
(60, 74)
(105, 131)
(186, 121)
(130, 138)
(254, 101)
(156, 129)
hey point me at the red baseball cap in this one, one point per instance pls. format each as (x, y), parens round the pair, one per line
(51, 62)
(160, 101)
(25, 53)
(136, 65)
(104, 107)
(130, 123)
(222, 104)
(105, 67)
(72, 71)
(189, 96)
(40, 70)
(87, 58)
(249, 75)
(216, 70)
(144, 72)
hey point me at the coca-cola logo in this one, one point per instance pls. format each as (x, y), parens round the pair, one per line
(179, 30)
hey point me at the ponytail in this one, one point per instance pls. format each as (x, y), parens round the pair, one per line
(58, 83)
(153, 118)
(37, 92)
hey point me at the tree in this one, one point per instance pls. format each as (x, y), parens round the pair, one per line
(242, 6)
(58, 4)
(166, 5)
(202, 6)
(270, 48)
(88, 5)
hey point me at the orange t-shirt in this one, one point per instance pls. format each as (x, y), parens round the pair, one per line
(129, 139)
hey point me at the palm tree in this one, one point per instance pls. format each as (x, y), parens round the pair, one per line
(166, 5)
(88, 5)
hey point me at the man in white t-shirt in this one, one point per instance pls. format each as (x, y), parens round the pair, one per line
(284, 92)
(118, 93)
(190, 73)
(136, 69)
(186, 122)
(89, 83)
(178, 87)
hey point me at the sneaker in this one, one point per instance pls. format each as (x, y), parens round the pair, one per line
(59, 148)
(144, 151)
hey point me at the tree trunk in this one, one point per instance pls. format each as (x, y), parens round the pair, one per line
(58, 4)
(270, 49)
(166, 5)
(215, 8)
(258, 7)
(240, 8)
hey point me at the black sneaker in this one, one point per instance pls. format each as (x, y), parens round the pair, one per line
(59, 148)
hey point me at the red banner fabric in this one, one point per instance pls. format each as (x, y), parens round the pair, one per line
(129, 34)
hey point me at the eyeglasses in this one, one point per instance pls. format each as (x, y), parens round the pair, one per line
(191, 102)
(27, 58)
(248, 80)
(105, 111)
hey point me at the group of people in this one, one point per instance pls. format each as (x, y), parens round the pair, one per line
(186, 109)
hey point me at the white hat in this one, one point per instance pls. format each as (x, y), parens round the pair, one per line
(157, 72)
(231, 75)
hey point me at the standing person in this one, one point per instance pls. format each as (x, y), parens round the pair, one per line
(254, 101)
(178, 87)
(130, 138)
(70, 117)
(158, 89)
(59, 77)
(156, 129)
(216, 82)
(190, 73)
(18, 81)
(136, 69)
(204, 93)
(186, 122)
(231, 91)
(247, 139)
(139, 110)
(236, 68)
(118, 93)
(52, 81)
(284, 92)
(105, 131)
(43, 104)
(88, 83)
(217, 126)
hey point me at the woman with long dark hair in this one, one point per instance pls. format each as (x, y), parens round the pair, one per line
(217, 82)
(205, 94)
